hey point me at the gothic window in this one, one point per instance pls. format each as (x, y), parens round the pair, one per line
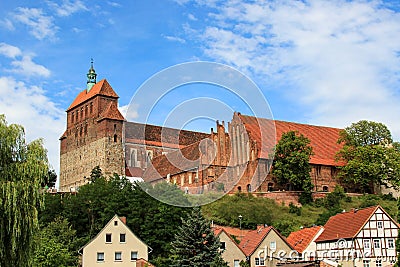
(86, 111)
(133, 158)
(85, 129)
(77, 115)
(82, 113)
(149, 156)
(239, 189)
(91, 107)
(115, 138)
(249, 188)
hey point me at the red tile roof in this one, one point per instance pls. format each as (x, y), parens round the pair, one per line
(111, 112)
(161, 136)
(234, 231)
(174, 162)
(100, 88)
(133, 172)
(300, 240)
(252, 240)
(322, 139)
(218, 230)
(347, 224)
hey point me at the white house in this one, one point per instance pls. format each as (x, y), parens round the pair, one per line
(359, 238)
(115, 245)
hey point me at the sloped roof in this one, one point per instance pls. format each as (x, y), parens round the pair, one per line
(100, 88)
(300, 240)
(347, 224)
(323, 139)
(174, 162)
(161, 136)
(237, 232)
(111, 112)
(218, 230)
(253, 239)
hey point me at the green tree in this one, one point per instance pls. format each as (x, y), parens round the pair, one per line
(195, 244)
(22, 168)
(291, 162)
(96, 173)
(371, 157)
(55, 245)
(50, 179)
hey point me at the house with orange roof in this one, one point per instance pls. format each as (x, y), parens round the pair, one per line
(359, 238)
(231, 251)
(265, 247)
(303, 241)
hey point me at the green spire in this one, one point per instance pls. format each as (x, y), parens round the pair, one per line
(91, 77)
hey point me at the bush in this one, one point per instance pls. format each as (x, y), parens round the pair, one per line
(294, 209)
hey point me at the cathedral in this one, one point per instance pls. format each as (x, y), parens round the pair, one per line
(234, 157)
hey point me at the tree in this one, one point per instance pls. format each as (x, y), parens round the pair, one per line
(22, 168)
(372, 159)
(95, 173)
(195, 244)
(291, 162)
(50, 179)
(55, 245)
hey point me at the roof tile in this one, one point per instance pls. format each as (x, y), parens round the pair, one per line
(346, 225)
(300, 240)
(323, 140)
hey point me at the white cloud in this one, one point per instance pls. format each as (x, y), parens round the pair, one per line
(114, 4)
(29, 106)
(22, 62)
(174, 39)
(6, 23)
(41, 26)
(192, 17)
(27, 67)
(9, 50)
(68, 8)
(130, 112)
(338, 60)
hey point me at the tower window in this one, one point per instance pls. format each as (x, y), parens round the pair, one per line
(91, 107)
(86, 110)
(115, 138)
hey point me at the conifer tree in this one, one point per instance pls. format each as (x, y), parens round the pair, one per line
(22, 169)
(195, 244)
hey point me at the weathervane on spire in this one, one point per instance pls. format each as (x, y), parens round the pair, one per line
(91, 77)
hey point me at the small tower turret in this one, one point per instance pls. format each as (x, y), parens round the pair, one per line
(91, 77)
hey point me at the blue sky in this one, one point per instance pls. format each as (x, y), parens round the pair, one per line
(320, 62)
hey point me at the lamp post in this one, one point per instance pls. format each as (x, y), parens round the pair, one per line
(240, 226)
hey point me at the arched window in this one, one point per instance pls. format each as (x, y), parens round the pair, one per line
(249, 188)
(115, 138)
(239, 189)
(133, 158)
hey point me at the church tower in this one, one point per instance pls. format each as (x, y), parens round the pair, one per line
(93, 136)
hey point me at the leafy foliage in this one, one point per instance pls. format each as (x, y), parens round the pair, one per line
(195, 244)
(371, 158)
(97, 202)
(56, 245)
(291, 163)
(22, 168)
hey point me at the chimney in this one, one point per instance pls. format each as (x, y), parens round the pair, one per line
(123, 219)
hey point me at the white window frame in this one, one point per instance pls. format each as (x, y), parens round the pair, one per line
(110, 235)
(272, 245)
(120, 256)
(236, 263)
(98, 258)
(391, 243)
(124, 237)
(367, 243)
(134, 253)
(377, 243)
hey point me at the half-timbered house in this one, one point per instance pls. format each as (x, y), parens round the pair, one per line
(359, 238)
